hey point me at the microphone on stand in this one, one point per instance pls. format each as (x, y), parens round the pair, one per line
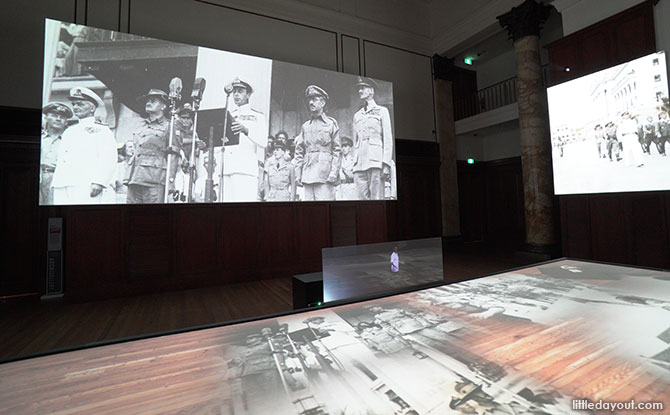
(175, 88)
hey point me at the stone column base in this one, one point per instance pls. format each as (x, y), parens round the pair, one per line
(550, 251)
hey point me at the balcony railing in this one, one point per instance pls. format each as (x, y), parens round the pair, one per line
(487, 99)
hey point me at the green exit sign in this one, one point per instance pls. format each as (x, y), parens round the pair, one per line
(468, 61)
(471, 161)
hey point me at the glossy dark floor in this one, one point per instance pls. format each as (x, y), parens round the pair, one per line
(29, 327)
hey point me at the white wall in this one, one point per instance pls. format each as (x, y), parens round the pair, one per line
(492, 143)
(503, 144)
(496, 69)
(469, 146)
(371, 42)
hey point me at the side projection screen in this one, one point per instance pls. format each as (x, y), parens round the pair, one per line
(130, 119)
(610, 129)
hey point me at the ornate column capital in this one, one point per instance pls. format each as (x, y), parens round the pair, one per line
(525, 20)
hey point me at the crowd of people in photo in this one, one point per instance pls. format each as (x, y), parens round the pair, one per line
(627, 139)
(166, 161)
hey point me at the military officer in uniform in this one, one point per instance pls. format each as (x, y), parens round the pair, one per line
(150, 151)
(56, 115)
(662, 132)
(317, 149)
(86, 167)
(279, 176)
(648, 134)
(613, 145)
(346, 190)
(373, 143)
(241, 172)
(599, 136)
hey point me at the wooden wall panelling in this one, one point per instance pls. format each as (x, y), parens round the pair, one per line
(196, 241)
(313, 233)
(343, 224)
(277, 227)
(149, 242)
(95, 258)
(576, 232)
(649, 240)
(371, 222)
(595, 48)
(633, 33)
(239, 241)
(617, 39)
(22, 245)
(610, 228)
(491, 201)
(472, 200)
(419, 205)
(504, 201)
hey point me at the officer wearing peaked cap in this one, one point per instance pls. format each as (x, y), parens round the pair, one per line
(56, 116)
(238, 83)
(242, 174)
(148, 166)
(87, 157)
(373, 143)
(369, 82)
(313, 90)
(318, 150)
(85, 94)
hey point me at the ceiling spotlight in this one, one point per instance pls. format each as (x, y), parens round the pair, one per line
(566, 69)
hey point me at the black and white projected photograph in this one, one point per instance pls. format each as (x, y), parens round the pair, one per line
(323, 119)
(536, 341)
(128, 119)
(610, 129)
(364, 270)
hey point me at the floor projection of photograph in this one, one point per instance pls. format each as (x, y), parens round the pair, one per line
(610, 130)
(366, 270)
(533, 341)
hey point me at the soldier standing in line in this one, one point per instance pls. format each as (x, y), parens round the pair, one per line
(373, 143)
(56, 115)
(613, 145)
(150, 152)
(648, 134)
(87, 156)
(241, 161)
(599, 135)
(662, 132)
(317, 149)
(346, 190)
(279, 176)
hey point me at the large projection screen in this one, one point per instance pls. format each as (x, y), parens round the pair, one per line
(120, 113)
(610, 129)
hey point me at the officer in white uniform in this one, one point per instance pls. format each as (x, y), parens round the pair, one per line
(240, 161)
(87, 157)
